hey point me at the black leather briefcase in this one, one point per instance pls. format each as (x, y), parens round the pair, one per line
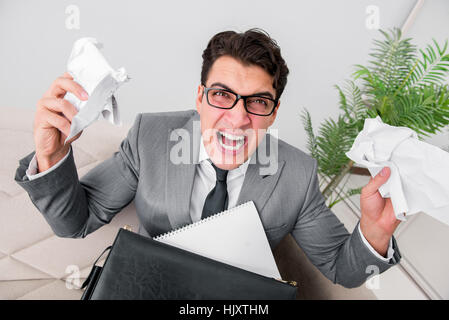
(139, 267)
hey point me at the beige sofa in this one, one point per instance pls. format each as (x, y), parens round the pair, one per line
(36, 264)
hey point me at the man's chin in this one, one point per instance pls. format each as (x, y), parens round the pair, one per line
(227, 162)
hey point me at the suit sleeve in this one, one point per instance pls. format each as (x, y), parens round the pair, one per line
(74, 208)
(342, 257)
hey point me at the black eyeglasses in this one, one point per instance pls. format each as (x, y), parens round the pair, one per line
(226, 99)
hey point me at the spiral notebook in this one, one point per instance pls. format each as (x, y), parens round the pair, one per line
(235, 237)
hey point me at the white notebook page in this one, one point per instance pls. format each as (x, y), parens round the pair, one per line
(235, 237)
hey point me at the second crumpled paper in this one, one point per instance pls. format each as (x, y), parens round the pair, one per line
(419, 179)
(90, 69)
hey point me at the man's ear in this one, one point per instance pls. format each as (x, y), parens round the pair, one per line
(199, 98)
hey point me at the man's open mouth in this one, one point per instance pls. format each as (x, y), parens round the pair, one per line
(231, 142)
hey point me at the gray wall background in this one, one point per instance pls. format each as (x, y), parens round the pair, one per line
(160, 44)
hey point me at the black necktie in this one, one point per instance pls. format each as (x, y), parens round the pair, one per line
(217, 199)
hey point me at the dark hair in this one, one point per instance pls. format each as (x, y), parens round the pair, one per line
(253, 47)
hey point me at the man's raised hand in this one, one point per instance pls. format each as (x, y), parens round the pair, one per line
(52, 121)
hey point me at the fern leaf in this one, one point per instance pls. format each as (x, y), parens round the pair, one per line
(311, 139)
(432, 68)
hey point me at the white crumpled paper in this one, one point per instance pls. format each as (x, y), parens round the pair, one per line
(89, 68)
(419, 178)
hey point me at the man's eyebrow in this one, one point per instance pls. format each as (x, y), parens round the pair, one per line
(263, 93)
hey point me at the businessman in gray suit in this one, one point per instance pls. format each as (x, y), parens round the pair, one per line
(180, 167)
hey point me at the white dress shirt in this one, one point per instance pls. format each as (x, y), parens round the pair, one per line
(205, 179)
(204, 182)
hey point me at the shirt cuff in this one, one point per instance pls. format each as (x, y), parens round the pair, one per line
(390, 251)
(32, 173)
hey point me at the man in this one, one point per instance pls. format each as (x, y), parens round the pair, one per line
(243, 76)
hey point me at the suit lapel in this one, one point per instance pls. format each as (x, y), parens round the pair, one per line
(179, 176)
(258, 185)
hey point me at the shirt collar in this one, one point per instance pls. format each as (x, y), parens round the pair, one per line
(203, 156)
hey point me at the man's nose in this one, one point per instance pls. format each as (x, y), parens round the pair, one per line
(237, 116)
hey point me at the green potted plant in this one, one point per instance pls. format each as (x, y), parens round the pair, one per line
(402, 85)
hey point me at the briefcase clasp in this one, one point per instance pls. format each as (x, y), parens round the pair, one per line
(290, 282)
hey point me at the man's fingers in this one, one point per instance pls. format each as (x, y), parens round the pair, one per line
(57, 121)
(65, 84)
(59, 105)
(74, 138)
(376, 182)
(389, 204)
(67, 75)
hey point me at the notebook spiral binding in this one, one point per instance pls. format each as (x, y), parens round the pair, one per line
(193, 225)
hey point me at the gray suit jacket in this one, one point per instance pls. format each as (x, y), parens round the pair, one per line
(288, 200)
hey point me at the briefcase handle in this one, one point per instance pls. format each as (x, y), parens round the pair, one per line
(95, 272)
(92, 277)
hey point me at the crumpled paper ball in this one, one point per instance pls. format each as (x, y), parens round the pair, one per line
(419, 179)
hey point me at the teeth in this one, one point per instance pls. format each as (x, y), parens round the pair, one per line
(231, 136)
(240, 140)
(236, 147)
